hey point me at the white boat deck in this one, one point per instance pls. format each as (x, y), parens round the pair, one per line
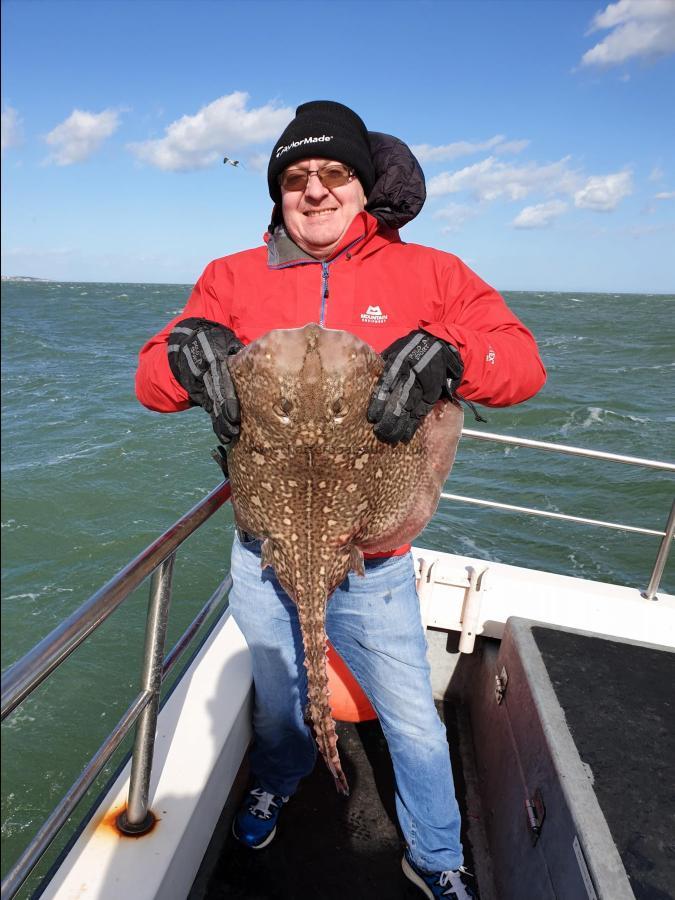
(204, 726)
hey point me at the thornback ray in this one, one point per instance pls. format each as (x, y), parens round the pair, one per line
(311, 480)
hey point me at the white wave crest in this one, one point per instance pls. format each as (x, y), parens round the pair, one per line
(591, 416)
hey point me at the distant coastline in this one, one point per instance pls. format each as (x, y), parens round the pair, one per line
(21, 278)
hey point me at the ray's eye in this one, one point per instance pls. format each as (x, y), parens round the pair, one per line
(339, 409)
(283, 408)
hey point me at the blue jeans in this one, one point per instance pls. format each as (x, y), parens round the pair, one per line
(374, 623)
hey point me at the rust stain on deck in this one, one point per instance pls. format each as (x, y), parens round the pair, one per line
(108, 824)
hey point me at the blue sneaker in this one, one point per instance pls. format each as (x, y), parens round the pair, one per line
(256, 822)
(452, 885)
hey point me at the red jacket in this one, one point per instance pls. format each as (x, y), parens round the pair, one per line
(374, 286)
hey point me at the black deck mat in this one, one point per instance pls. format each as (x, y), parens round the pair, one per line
(329, 847)
(619, 701)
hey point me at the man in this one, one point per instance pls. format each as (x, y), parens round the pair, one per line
(441, 330)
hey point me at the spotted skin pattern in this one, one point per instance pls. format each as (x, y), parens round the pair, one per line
(311, 480)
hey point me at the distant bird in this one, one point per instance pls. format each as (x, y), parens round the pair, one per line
(231, 162)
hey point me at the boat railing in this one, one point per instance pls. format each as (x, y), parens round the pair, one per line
(157, 560)
(22, 678)
(666, 535)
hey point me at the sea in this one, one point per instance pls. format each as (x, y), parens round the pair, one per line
(90, 478)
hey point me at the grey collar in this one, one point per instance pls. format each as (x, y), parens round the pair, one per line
(282, 251)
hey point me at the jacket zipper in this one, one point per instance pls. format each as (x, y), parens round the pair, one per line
(324, 291)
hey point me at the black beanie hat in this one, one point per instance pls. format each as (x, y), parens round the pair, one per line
(323, 129)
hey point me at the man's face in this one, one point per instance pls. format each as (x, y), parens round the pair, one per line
(318, 218)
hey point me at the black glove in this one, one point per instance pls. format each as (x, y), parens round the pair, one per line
(419, 369)
(198, 351)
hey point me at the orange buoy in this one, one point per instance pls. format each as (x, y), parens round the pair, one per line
(348, 703)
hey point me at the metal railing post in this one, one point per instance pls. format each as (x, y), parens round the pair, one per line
(661, 558)
(21, 679)
(137, 818)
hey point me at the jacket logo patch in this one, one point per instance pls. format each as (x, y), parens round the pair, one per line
(374, 314)
(490, 357)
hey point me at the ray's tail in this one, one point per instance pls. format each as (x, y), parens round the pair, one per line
(312, 616)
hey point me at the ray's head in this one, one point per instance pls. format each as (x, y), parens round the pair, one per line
(303, 385)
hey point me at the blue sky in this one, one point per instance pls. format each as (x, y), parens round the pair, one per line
(545, 129)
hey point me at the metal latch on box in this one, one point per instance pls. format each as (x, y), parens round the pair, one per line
(536, 813)
(501, 681)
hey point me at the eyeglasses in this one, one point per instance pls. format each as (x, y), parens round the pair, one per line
(331, 176)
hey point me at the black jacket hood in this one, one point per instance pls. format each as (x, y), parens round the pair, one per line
(399, 191)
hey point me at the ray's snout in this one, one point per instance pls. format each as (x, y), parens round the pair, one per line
(313, 348)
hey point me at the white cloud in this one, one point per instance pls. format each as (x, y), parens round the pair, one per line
(636, 28)
(427, 153)
(491, 179)
(665, 195)
(512, 146)
(604, 192)
(656, 174)
(11, 128)
(258, 162)
(221, 127)
(456, 214)
(540, 215)
(625, 11)
(23, 252)
(81, 135)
